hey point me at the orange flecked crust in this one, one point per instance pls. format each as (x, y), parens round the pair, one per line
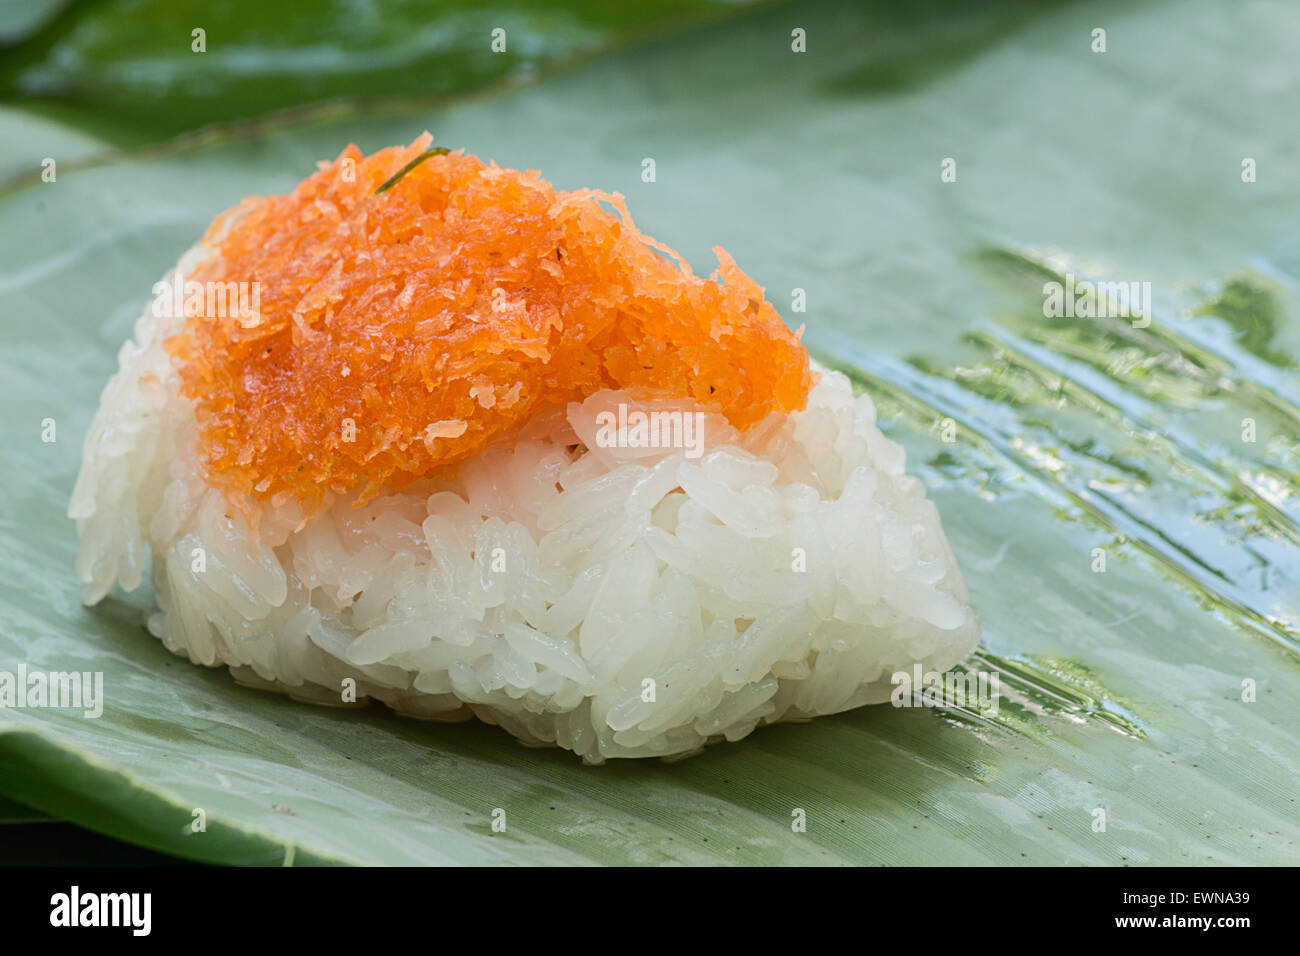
(443, 313)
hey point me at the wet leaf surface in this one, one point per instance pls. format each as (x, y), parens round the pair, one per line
(1123, 690)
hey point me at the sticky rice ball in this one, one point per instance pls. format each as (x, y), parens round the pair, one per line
(432, 432)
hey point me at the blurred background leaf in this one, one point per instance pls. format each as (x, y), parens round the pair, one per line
(129, 69)
(19, 19)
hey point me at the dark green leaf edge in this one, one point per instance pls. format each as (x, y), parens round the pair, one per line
(38, 772)
(11, 811)
(341, 108)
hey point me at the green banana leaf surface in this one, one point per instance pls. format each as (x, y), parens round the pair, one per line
(1122, 495)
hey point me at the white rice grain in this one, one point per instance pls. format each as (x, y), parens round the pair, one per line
(615, 602)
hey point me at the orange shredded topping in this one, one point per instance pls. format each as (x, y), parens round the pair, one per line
(403, 330)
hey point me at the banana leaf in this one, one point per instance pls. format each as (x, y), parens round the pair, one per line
(1122, 494)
